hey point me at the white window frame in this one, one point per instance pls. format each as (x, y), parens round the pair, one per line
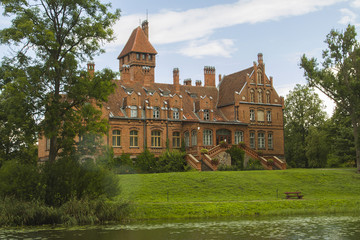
(116, 138)
(156, 112)
(193, 138)
(206, 114)
(270, 141)
(239, 137)
(261, 140)
(134, 138)
(176, 114)
(133, 111)
(252, 115)
(207, 137)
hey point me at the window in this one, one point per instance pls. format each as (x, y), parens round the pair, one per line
(252, 115)
(207, 138)
(252, 95)
(236, 112)
(252, 140)
(270, 141)
(150, 57)
(133, 111)
(176, 113)
(187, 139)
(260, 115)
(156, 112)
(176, 140)
(206, 114)
(260, 96)
(239, 137)
(193, 138)
(47, 144)
(138, 56)
(143, 56)
(134, 140)
(156, 138)
(268, 116)
(116, 137)
(261, 140)
(267, 97)
(259, 77)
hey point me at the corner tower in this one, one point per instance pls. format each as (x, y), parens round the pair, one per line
(137, 60)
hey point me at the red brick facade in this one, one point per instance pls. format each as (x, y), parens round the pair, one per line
(243, 107)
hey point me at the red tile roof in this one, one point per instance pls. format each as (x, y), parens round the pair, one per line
(138, 42)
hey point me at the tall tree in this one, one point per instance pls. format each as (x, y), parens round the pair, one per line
(303, 109)
(339, 76)
(54, 37)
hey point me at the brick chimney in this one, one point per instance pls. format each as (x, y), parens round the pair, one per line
(176, 80)
(209, 76)
(260, 58)
(145, 28)
(219, 78)
(198, 83)
(91, 68)
(187, 82)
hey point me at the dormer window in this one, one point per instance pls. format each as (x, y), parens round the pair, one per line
(133, 111)
(156, 112)
(206, 114)
(176, 113)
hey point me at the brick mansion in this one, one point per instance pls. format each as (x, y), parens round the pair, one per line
(239, 107)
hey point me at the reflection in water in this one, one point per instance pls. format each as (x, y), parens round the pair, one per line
(323, 227)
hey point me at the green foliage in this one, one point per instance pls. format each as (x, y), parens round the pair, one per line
(172, 161)
(146, 162)
(66, 179)
(21, 181)
(204, 151)
(317, 148)
(123, 164)
(303, 109)
(237, 157)
(53, 41)
(224, 144)
(339, 76)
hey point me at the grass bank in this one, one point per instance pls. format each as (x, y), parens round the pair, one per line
(244, 193)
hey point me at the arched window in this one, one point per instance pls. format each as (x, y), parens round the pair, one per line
(207, 137)
(260, 96)
(175, 113)
(259, 77)
(252, 115)
(261, 140)
(267, 97)
(116, 138)
(156, 112)
(133, 111)
(268, 116)
(206, 114)
(252, 95)
(155, 138)
(193, 138)
(176, 140)
(134, 142)
(239, 137)
(187, 139)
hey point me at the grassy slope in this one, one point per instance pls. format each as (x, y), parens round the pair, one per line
(208, 194)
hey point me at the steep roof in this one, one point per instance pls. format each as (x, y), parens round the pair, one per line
(138, 42)
(231, 83)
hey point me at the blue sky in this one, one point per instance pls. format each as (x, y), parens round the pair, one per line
(229, 34)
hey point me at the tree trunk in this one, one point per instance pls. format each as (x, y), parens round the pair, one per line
(356, 138)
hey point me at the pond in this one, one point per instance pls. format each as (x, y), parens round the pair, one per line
(303, 227)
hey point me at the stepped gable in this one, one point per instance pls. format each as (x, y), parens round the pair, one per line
(231, 83)
(138, 42)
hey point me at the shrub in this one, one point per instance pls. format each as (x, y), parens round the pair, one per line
(242, 144)
(224, 167)
(172, 161)
(254, 165)
(204, 151)
(237, 157)
(215, 161)
(259, 152)
(223, 144)
(22, 181)
(146, 162)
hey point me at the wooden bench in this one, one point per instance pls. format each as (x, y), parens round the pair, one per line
(293, 195)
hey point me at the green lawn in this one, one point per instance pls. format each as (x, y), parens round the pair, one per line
(210, 194)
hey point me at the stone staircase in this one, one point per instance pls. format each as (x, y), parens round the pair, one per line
(205, 163)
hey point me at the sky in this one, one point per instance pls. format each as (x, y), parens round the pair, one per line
(229, 34)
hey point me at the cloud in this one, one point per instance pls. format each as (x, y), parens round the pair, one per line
(348, 16)
(355, 4)
(169, 26)
(201, 48)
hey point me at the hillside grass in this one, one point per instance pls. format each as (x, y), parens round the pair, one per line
(241, 193)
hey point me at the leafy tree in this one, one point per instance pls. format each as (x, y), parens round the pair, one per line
(172, 161)
(317, 148)
(303, 109)
(146, 162)
(237, 157)
(339, 76)
(54, 37)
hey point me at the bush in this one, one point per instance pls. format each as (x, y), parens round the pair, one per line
(237, 157)
(204, 151)
(215, 161)
(172, 161)
(223, 144)
(254, 165)
(22, 181)
(146, 162)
